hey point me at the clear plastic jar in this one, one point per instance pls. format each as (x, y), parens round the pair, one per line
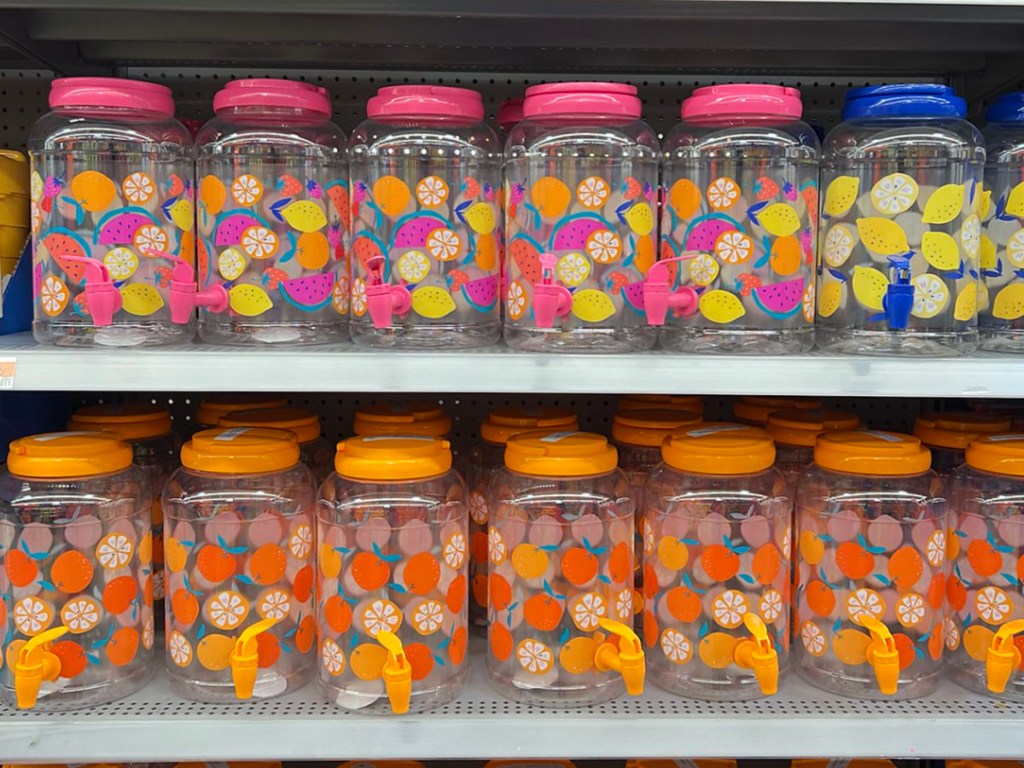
(582, 171)
(273, 217)
(77, 577)
(112, 217)
(1001, 207)
(148, 429)
(314, 450)
(795, 431)
(983, 601)
(426, 171)
(901, 233)
(393, 532)
(741, 174)
(240, 554)
(560, 545)
(486, 458)
(948, 434)
(213, 407)
(691, 403)
(754, 410)
(402, 418)
(717, 542)
(871, 567)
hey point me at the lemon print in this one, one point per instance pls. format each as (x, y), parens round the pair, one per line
(304, 216)
(966, 305)
(214, 652)
(930, 296)
(1015, 201)
(121, 263)
(1009, 302)
(838, 245)
(850, 646)
(592, 306)
(573, 269)
(779, 219)
(869, 287)
(720, 307)
(940, 250)
(141, 299)
(894, 194)
(1015, 249)
(432, 302)
(841, 195)
(944, 205)
(640, 219)
(36, 187)
(231, 263)
(881, 236)
(987, 253)
(970, 236)
(480, 218)
(182, 214)
(983, 297)
(983, 202)
(703, 269)
(249, 300)
(716, 649)
(413, 266)
(829, 299)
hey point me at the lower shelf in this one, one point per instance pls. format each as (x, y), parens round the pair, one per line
(156, 725)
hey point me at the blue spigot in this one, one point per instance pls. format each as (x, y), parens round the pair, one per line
(899, 297)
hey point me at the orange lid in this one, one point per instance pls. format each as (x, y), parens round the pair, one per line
(132, 421)
(999, 454)
(548, 763)
(393, 457)
(958, 429)
(241, 450)
(560, 454)
(794, 426)
(69, 454)
(502, 423)
(402, 418)
(719, 448)
(649, 428)
(304, 423)
(683, 763)
(752, 409)
(381, 764)
(869, 452)
(691, 403)
(214, 406)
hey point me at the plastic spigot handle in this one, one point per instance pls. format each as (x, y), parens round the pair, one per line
(627, 658)
(881, 654)
(397, 673)
(758, 653)
(35, 663)
(244, 658)
(897, 303)
(1002, 657)
(659, 296)
(101, 297)
(383, 301)
(550, 298)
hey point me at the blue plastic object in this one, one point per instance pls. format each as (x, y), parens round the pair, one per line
(904, 100)
(1009, 107)
(899, 296)
(17, 298)
(30, 413)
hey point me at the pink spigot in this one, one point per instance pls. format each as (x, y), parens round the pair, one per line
(101, 297)
(659, 296)
(550, 300)
(183, 293)
(384, 300)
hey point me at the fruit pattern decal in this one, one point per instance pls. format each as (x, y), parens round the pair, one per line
(479, 517)
(857, 561)
(93, 574)
(234, 569)
(882, 229)
(437, 235)
(706, 564)
(135, 222)
(756, 232)
(1001, 253)
(277, 243)
(601, 230)
(410, 579)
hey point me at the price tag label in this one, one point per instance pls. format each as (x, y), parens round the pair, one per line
(7, 368)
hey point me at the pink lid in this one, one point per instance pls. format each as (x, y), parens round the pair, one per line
(742, 99)
(426, 101)
(270, 92)
(510, 112)
(114, 92)
(581, 99)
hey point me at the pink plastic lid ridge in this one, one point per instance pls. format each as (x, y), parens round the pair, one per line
(510, 112)
(742, 100)
(426, 101)
(583, 98)
(273, 92)
(113, 92)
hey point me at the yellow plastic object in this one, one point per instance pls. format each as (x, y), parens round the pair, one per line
(758, 653)
(999, 454)
(405, 418)
(132, 421)
(15, 211)
(649, 428)
(302, 422)
(755, 409)
(34, 665)
(1003, 656)
(881, 654)
(869, 452)
(627, 658)
(397, 672)
(68, 454)
(215, 406)
(240, 451)
(798, 427)
(560, 454)
(691, 403)
(393, 457)
(502, 423)
(719, 448)
(244, 658)
(13, 172)
(958, 429)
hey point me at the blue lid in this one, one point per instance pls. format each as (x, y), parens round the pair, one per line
(1009, 107)
(904, 100)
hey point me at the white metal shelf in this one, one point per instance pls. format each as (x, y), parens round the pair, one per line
(346, 368)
